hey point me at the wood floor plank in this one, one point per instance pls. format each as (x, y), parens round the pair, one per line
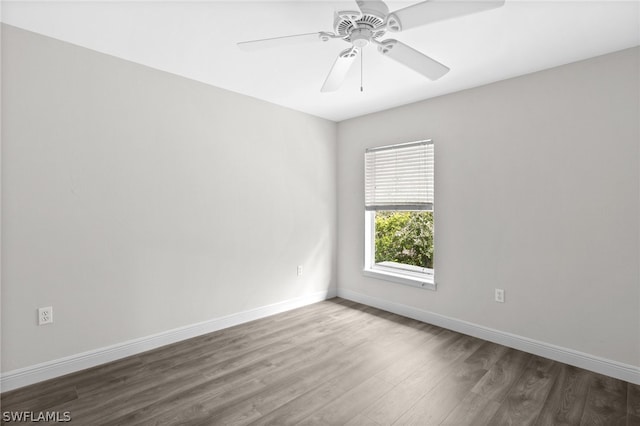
(525, 399)
(633, 420)
(350, 404)
(398, 372)
(606, 402)
(306, 381)
(633, 399)
(434, 407)
(460, 349)
(433, 370)
(361, 420)
(304, 405)
(291, 387)
(334, 362)
(486, 355)
(271, 401)
(473, 410)
(565, 403)
(502, 375)
(385, 352)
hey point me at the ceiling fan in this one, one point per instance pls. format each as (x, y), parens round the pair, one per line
(369, 22)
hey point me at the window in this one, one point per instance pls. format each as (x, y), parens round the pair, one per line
(399, 194)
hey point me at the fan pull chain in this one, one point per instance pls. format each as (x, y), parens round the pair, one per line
(361, 62)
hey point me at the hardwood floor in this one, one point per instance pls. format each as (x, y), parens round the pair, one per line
(334, 363)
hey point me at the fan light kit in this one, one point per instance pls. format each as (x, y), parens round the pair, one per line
(369, 23)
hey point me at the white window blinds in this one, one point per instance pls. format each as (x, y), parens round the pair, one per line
(399, 177)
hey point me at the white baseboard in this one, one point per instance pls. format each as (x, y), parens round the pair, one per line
(626, 372)
(70, 364)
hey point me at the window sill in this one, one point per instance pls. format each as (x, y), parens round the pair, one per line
(426, 282)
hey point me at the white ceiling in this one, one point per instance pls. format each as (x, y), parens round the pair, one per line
(197, 40)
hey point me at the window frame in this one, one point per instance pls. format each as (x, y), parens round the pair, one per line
(399, 275)
(406, 276)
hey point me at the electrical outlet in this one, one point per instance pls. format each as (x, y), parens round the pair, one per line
(499, 295)
(299, 270)
(45, 315)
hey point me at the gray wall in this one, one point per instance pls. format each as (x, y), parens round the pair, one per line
(135, 201)
(537, 192)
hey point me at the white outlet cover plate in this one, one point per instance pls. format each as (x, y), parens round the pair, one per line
(45, 315)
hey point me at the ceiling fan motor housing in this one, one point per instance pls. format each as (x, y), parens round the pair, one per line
(368, 26)
(360, 37)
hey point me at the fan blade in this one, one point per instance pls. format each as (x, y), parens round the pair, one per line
(283, 41)
(433, 11)
(413, 59)
(339, 70)
(376, 6)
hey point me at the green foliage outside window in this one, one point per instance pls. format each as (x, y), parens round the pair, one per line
(405, 237)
